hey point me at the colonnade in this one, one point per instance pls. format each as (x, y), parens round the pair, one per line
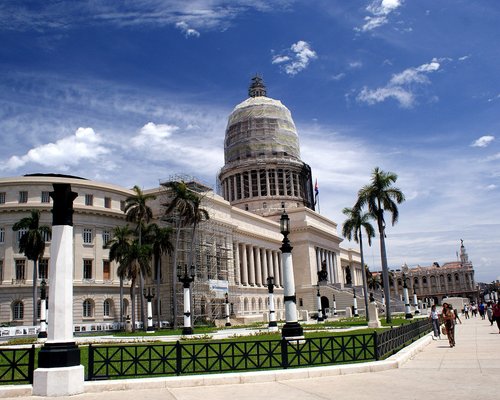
(254, 264)
(262, 183)
(330, 258)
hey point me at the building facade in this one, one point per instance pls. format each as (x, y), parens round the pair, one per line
(434, 283)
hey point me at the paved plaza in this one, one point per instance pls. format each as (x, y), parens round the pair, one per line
(429, 370)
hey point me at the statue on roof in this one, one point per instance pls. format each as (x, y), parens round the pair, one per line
(257, 87)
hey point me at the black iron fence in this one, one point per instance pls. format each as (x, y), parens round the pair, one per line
(17, 365)
(128, 361)
(107, 362)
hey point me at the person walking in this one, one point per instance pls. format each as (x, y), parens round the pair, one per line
(481, 310)
(496, 314)
(449, 323)
(434, 317)
(489, 312)
(466, 311)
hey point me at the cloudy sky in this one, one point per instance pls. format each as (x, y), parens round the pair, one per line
(134, 92)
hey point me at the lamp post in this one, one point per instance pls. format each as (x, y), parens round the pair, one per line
(415, 301)
(273, 325)
(383, 301)
(334, 306)
(406, 298)
(228, 321)
(355, 303)
(318, 302)
(186, 281)
(292, 328)
(43, 310)
(149, 296)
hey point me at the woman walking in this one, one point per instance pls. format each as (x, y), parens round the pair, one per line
(496, 314)
(449, 323)
(434, 317)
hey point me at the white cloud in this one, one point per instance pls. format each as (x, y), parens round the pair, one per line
(298, 57)
(380, 10)
(152, 134)
(483, 141)
(338, 77)
(401, 86)
(355, 64)
(188, 32)
(85, 144)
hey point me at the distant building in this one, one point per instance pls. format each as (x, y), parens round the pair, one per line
(435, 282)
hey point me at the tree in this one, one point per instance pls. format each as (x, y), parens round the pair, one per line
(134, 264)
(119, 246)
(32, 244)
(159, 239)
(379, 196)
(352, 229)
(138, 211)
(184, 209)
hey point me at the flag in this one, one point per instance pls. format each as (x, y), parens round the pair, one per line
(316, 192)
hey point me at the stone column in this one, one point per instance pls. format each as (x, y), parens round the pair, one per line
(251, 267)
(258, 267)
(277, 276)
(244, 259)
(60, 372)
(237, 264)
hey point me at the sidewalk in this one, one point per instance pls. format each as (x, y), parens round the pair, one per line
(427, 370)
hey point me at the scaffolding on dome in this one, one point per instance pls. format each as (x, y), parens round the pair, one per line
(210, 251)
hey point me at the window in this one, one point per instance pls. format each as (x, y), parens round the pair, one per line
(87, 269)
(46, 236)
(106, 270)
(23, 197)
(2, 235)
(122, 205)
(18, 310)
(107, 202)
(88, 309)
(89, 199)
(2, 197)
(43, 268)
(45, 197)
(20, 270)
(20, 234)
(107, 308)
(106, 237)
(87, 235)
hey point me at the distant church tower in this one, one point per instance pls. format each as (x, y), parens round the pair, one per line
(263, 171)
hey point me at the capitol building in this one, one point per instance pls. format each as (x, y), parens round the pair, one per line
(236, 249)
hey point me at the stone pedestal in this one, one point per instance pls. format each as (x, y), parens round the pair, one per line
(348, 312)
(65, 381)
(373, 311)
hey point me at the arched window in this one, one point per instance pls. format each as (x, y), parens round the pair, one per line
(424, 280)
(457, 278)
(107, 306)
(260, 304)
(18, 310)
(449, 278)
(88, 309)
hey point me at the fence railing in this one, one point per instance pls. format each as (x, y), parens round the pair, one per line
(107, 362)
(17, 365)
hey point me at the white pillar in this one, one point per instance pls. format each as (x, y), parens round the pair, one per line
(187, 313)
(273, 325)
(407, 304)
(318, 302)
(258, 267)
(415, 304)
(244, 259)
(355, 305)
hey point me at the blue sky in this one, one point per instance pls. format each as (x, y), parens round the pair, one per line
(136, 92)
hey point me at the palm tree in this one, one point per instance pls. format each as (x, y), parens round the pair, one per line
(119, 246)
(380, 196)
(352, 228)
(373, 282)
(139, 212)
(32, 244)
(159, 239)
(134, 264)
(185, 208)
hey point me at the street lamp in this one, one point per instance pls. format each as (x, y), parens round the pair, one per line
(406, 299)
(148, 295)
(334, 306)
(273, 325)
(228, 321)
(318, 302)
(355, 303)
(43, 310)
(415, 301)
(186, 281)
(292, 328)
